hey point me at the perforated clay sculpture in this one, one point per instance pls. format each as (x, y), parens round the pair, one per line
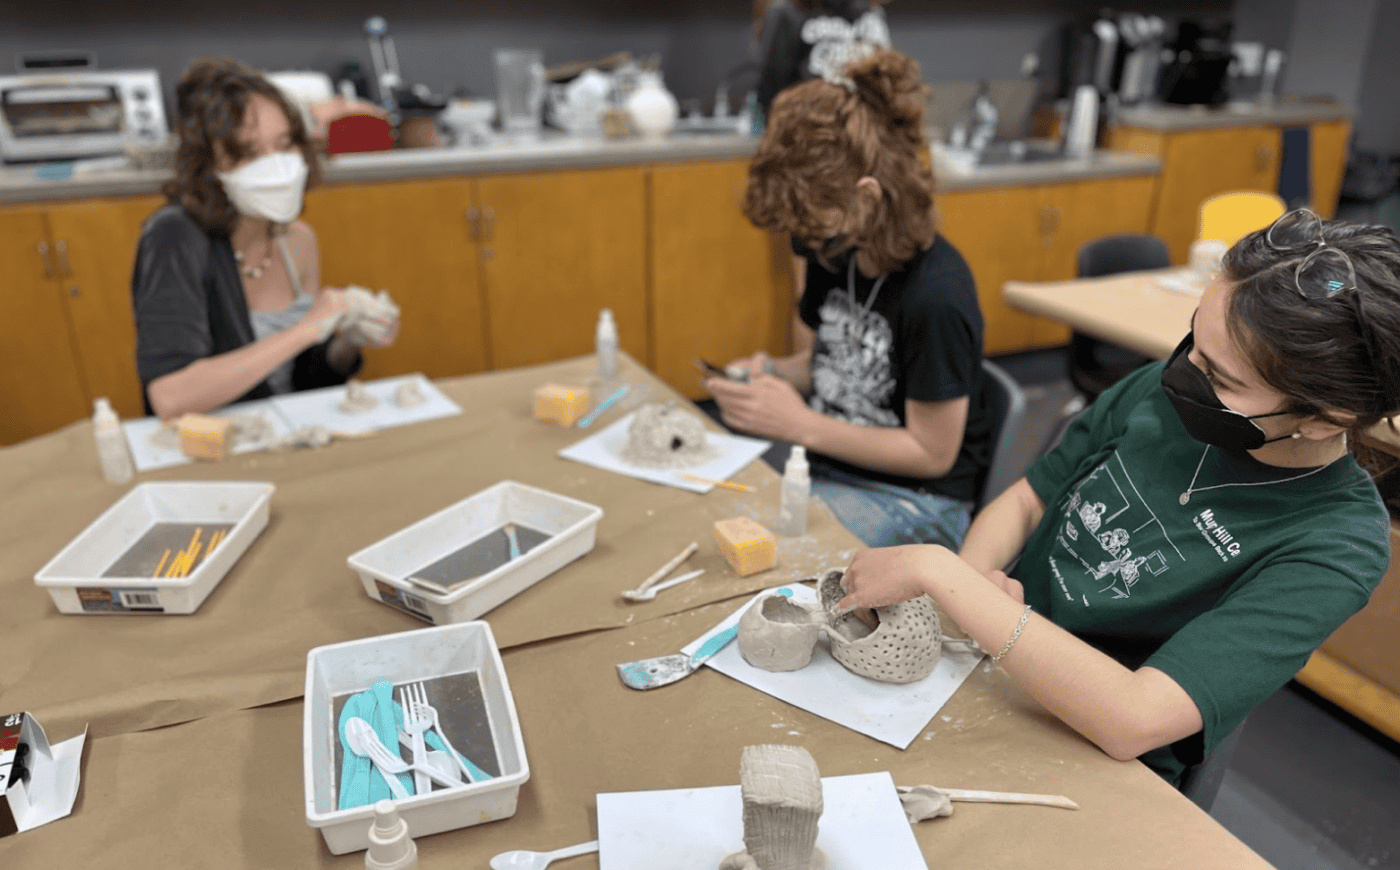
(904, 646)
(782, 791)
(409, 395)
(664, 436)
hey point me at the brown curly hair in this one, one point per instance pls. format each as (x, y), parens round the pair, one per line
(210, 103)
(822, 138)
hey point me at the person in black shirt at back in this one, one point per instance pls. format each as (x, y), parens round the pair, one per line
(889, 398)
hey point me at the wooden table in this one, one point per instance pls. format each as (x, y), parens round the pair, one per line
(194, 755)
(1135, 311)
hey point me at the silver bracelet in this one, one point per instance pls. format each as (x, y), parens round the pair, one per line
(1015, 635)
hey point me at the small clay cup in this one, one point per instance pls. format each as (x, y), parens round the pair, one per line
(777, 635)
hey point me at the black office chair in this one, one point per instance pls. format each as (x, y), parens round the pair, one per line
(1201, 783)
(1006, 405)
(1096, 365)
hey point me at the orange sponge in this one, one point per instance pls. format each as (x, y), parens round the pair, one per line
(747, 546)
(203, 436)
(560, 404)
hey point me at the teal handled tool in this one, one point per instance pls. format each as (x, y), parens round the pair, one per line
(607, 403)
(665, 670)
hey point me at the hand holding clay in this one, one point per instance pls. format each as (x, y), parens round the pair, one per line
(326, 314)
(372, 320)
(768, 406)
(889, 575)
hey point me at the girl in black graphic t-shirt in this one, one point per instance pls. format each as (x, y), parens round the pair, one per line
(889, 397)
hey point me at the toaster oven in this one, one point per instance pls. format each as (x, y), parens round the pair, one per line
(80, 113)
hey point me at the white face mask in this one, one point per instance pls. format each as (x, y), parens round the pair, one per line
(269, 187)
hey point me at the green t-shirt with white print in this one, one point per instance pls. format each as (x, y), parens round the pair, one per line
(1228, 594)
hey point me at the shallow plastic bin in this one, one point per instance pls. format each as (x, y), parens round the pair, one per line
(384, 567)
(74, 576)
(353, 666)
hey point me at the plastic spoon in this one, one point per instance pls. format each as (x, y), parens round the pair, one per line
(521, 859)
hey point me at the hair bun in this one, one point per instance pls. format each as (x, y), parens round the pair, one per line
(889, 83)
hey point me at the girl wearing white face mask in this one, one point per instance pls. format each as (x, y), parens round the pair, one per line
(226, 287)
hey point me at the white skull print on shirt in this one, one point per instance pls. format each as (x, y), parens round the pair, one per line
(852, 376)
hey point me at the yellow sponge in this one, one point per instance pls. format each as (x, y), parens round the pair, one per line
(203, 436)
(560, 404)
(747, 546)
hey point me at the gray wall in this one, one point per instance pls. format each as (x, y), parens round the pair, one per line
(447, 45)
(1328, 46)
(1378, 124)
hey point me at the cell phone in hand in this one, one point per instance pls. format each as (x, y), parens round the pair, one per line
(710, 369)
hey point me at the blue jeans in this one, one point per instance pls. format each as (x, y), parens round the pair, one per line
(884, 515)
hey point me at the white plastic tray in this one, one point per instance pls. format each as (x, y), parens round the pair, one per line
(74, 576)
(353, 666)
(384, 567)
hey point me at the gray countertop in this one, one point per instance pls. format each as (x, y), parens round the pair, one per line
(1281, 113)
(19, 184)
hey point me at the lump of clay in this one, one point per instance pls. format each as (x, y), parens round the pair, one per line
(782, 791)
(903, 648)
(369, 316)
(409, 395)
(777, 634)
(357, 399)
(664, 436)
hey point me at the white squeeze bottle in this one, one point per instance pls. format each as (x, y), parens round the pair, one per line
(111, 443)
(390, 846)
(605, 344)
(797, 489)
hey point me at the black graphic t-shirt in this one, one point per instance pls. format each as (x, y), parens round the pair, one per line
(1227, 594)
(918, 338)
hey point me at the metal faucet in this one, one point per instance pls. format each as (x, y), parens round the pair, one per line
(985, 120)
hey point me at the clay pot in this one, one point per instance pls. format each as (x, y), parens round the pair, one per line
(904, 647)
(777, 635)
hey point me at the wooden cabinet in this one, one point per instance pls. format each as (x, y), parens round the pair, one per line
(720, 288)
(413, 239)
(1034, 234)
(557, 247)
(69, 292)
(493, 272)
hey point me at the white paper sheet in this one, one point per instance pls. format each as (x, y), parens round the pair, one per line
(147, 455)
(322, 407)
(862, 826)
(891, 713)
(604, 450)
(287, 413)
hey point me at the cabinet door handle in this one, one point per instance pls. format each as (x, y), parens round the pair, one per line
(473, 225)
(1263, 157)
(74, 291)
(62, 248)
(488, 232)
(48, 261)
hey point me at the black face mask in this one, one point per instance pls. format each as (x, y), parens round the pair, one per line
(1205, 417)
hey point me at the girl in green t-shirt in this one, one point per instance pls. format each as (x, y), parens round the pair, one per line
(1205, 525)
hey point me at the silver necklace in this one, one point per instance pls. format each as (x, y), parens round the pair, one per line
(1191, 488)
(858, 330)
(254, 271)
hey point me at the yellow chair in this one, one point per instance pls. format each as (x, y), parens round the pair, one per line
(1230, 217)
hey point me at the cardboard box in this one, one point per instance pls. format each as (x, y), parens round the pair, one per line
(40, 781)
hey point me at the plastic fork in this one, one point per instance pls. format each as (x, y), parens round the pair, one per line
(414, 724)
(362, 737)
(418, 699)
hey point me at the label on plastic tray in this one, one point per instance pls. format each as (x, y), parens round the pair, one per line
(97, 600)
(402, 600)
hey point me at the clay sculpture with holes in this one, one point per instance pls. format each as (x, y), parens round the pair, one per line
(904, 646)
(782, 793)
(665, 436)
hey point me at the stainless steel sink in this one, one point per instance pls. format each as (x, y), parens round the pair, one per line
(1002, 152)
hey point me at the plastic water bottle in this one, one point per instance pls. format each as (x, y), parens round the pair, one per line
(797, 490)
(111, 443)
(390, 846)
(605, 345)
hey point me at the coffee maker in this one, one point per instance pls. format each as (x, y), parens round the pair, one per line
(1198, 70)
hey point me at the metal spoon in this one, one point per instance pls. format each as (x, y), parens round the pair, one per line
(521, 859)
